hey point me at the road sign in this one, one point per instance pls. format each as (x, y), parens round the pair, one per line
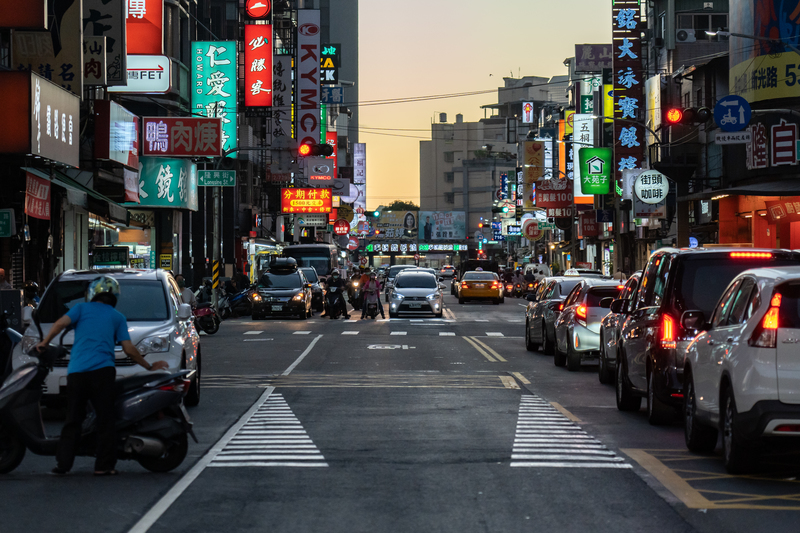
(364, 261)
(732, 113)
(545, 225)
(416, 257)
(216, 178)
(736, 137)
(352, 245)
(341, 227)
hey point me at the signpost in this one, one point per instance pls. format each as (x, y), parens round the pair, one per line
(216, 178)
(732, 113)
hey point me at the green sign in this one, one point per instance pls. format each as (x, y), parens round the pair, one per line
(596, 165)
(369, 248)
(7, 228)
(323, 123)
(213, 82)
(216, 178)
(546, 225)
(165, 182)
(110, 256)
(587, 104)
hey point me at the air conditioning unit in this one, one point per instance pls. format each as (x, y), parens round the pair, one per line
(685, 36)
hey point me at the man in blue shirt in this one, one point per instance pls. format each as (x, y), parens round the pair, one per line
(91, 373)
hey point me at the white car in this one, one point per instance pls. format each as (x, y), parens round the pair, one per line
(742, 374)
(159, 323)
(416, 292)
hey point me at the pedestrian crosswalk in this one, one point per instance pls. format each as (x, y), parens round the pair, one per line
(273, 436)
(545, 438)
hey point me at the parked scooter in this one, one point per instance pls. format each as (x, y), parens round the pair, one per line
(333, 302)
(152, 423)
(206, 318)
(236, 304)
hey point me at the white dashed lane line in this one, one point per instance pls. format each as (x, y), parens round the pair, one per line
(350, 333)
(398, 333)
(494, 334)
(301, 333)
(253, 332)
(447, 334)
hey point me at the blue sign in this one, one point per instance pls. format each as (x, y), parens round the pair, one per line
(692, 242)
(605, 216)
(732, 113)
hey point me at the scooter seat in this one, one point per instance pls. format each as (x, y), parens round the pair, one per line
(130, 383)
(203, 305)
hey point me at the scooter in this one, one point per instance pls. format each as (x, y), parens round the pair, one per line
(518, 290)
(152, 423)
(237, 304)
(206, 318)
(371, 301)
(354, 294)
(333, 302)
(528, 289)
(508, 290)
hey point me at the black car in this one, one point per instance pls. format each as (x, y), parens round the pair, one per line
(652, 344)
(316, 289)
(283, 290)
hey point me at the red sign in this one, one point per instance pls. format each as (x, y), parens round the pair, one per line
(352, 245)
(332, 138)
(561, 212)
(306, 200)
(341, 227)
(589, 225)
(257, 9)
(182, 136)
(145, 27)
(554, 193)
(258, 65)
(531, 231)
(416, 257)
(37, 197)
(580, 264)
(785, 209)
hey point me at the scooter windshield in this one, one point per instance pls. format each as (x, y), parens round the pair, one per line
(15, 382)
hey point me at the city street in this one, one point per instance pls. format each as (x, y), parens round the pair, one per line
(406, 425)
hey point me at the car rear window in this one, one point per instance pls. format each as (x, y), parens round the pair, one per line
(594, 296)
(139, 300)
(700, 281)
(416, 281)
(311, 275)
(395, 269)
(567, 286)
(482, 276)
(280, 281)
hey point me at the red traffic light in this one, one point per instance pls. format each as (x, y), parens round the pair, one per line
(305, 149)
(325, 150)
(674, 115)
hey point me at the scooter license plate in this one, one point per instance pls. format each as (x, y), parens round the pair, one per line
(415, 305)
(277, 308)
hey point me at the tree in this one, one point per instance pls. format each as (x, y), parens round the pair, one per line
(399, 205)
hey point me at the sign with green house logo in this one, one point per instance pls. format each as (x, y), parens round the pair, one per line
(596, 166)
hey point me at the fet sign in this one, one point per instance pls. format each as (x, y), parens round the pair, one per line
(341, 227)
(182, 136)
(308, 82)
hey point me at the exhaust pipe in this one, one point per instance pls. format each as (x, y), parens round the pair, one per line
(145, 446)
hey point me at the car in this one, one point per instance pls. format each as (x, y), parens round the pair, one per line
(652, 343)
(447, 271)
(390, 275)
(584, 273)
(544, 306)
(159, 324)
(416, 293)
(283, 290)
(742, 371)
(609, 331)
(480, 286)
(577, 328)
(317, 294)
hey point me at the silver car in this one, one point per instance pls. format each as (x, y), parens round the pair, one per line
(415, 293)
(543, 310)
(609, 331)
(159, 323)
(390, 275)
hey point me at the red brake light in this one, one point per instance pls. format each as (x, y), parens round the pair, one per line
(770, 319)
(620, 287)
(561, 307)
(776, 300)
(464, 285)
(766, 334)
(668, 333)
(751, 255)
(581, 311)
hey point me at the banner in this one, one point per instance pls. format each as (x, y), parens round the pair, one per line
(589, 225)
(258, 65)
(397, 225)
(308, 83)
(214, 86)
(181, 136)
(554, 193)
(442, 225)
(37, 197)
(360, 176)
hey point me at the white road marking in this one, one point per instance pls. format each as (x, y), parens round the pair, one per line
(494, 334)
(253, 332)
(301, 333)
(256, 340)
(350, 333)
(481, 320)
(447, 334)
(398, 333)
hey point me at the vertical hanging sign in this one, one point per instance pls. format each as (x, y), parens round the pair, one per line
(214, 86)
(145, 27)
(628, 79)
(308, 82)
(258, 65)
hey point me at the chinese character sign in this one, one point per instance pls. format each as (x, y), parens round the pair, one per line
(595, 165)
(214, 86)
(258, 65)
(360, 175)
(533, 169)
(306, 200)
(181, 136)
(165, 182)
(37, 197)
(145, 27)
(555, 193)
(308, 76)
(329, 63)
(94, 61)
(102, 18)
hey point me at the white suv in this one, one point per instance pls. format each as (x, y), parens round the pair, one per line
(742, 374)
(160, 325)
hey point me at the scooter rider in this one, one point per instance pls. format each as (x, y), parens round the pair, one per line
(335, 281)
(91, 373)
(530, 277)
(372, 285)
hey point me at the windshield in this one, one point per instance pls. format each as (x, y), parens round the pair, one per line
(139, 300)
(395, 269)
(482, 276)
(416, 281)
(280, 281)
(595, 295)
(311, 275)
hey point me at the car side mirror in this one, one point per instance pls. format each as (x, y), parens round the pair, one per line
(605, 303)
(694, 320)
(441, 278)
(531, 297)
(619, 306)
(27, 315)
(184, 312)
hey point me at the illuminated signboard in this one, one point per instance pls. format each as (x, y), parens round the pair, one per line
(306, 200)
(181, 136)
(308, 86)
(258, 65)
(214, 86)
(146, 74)
(145, 27)
(329, 63)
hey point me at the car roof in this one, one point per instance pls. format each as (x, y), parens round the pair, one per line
(774, 273)
(720, 249)
(595, 282)
(416, 270)
(116, 273)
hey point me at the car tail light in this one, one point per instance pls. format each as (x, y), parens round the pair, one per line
(668, 332)
(788, 428)
(495, 285)
(581, 313)
(177, 386)
(751, 255)
(766, 333)
(620, 287)
(561, 306)
(464, 285)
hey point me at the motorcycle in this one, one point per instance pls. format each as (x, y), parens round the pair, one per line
(529, 287)
(371, 301)
(333, 302)
(354, 294)
(236, 304)
(152, 423)
(508, 290)
(518, 290)
(206, 318)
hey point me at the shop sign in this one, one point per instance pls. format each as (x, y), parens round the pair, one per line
(332, 95)
(95, 68)
(592, 57)
(258, 65)
(330, 61)
(317, 220)
(146, 219)
(442, 247)
(443, 225)
(130, 180)
(117, 134)
(785, 208)
(213, 82)
(397, 225)
(304, 200)
(146, 74)
(643, 210)
(772, 147)
(595, 170)
(561, 212)
(257, 9)
(360, 176)
(110, 256)
(554, 193)
(37, 197)
(547, 135)
(651, 187)
(145, 27)
(308, 83)
(532, 232)
(527, 113)
(137, 262)
(216, 178)
(533, 169)
(589, 225)
(513, 230)
(30, 15)
(341, 227)
(181, 136)
(7, 223)
(165, 261)
(605, 216)
(582, 137)
(102, 18)
(170, 183)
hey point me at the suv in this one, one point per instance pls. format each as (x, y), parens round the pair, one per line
(159, 323)
(283, 290)
(652, 342)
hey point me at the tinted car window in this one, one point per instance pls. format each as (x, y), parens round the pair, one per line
(566, 286)
(723, 306)
(140, 300)
(416, 281)
(484, 276)
(395, 269)
(594, 296)
(741, 301)
(311, 275)
(271, 280)
(789, 314)
(573, 296)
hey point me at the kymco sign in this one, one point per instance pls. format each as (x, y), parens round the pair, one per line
(308, 82)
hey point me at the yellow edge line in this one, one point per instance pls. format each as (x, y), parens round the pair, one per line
(560, 408)
(497, 355)
(522, 378)
(672, 481)
(486, 355)
(509, 382)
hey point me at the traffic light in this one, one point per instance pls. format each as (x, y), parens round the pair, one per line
(687, 115)
(308, 149)
(376, 214)
(480, 225)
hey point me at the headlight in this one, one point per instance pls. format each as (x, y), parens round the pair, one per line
(299, 296)
(398, 296)
(256, 297)
(153, 345)
(433, 296)
(355, 284)
(28, 342)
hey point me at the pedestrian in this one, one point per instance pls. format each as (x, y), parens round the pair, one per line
(187, 295)
(619, 275)
(91, 373)
(4, 285)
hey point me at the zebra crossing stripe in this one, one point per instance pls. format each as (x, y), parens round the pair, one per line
(272, 436)
(546, 438)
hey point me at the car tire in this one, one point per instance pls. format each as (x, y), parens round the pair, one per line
(559, 357)
(658, 413)
(192, 397)
(460, 300)
(626, 401)
(603, 371)
(496, 301)
(502, 300)
(547, 346)
(573, 357)
(529, 345)
(392, 315)
(738, 455)
(699, 437)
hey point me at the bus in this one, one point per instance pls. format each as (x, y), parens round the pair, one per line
(323, 257)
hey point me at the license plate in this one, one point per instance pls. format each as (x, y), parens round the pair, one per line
(277, 308)
(415, 305)
(479, 285)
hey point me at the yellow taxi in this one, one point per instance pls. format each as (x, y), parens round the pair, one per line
(480, 285)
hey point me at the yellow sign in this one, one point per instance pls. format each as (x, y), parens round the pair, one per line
(165, 261)
(766, 77)
(568, 116)
(533, 157)
(608, 102)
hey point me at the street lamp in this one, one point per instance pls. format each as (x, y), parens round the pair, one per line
(754, 37)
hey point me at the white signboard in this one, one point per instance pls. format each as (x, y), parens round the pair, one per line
(308, 83)
(360, 175)
(735, 137)
(628, 177)
(313, 219)
(548, 157)
(102, 18)
(582, 137)
(651, 187)
(146, 74)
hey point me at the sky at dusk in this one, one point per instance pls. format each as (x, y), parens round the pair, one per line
(436, 47)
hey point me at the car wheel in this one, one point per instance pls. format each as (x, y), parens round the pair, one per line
(626, 401)
(496, 301)
(547, 344)
(603, 372)
(559, 357)
(573, 357)
(658, 413)
(529, 345)
(502, 300)
(460, 300)
(699, 437)
(738, 455)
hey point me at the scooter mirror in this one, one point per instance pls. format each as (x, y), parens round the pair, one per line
(27, 314)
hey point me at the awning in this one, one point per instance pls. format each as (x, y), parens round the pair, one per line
(97, 203)
(769, 188)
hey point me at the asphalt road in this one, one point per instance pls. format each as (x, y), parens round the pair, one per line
(406, 426)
